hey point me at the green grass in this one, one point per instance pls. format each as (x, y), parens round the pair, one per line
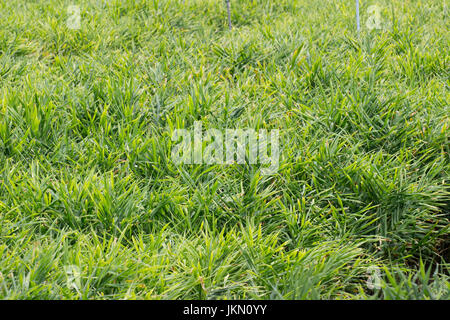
(87, 182)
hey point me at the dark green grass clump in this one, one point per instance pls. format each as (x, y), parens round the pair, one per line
(91, 205)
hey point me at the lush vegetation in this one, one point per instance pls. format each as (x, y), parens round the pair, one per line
(91, 205)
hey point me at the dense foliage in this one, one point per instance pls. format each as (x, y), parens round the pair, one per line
(91, 205)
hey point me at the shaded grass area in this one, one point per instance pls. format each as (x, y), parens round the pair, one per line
(87, 182)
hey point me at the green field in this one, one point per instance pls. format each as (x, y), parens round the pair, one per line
(93, 207)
